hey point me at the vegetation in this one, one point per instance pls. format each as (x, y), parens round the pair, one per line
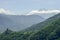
(48, 32)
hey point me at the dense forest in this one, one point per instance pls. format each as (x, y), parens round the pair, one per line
(50, 31)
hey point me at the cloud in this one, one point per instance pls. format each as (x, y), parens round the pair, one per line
(7, 12)
(43, 12)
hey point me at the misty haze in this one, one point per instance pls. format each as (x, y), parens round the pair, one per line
(29, 20)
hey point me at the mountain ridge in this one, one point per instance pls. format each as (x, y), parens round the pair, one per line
(42, 24)
(18, 22)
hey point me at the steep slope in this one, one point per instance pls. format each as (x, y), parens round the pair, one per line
(42, 24)
(49, 32)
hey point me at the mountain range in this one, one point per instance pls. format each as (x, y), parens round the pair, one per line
(50, 31)
(18, 22)
(21, 22)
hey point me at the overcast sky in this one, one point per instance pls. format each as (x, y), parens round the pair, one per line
(26, 6)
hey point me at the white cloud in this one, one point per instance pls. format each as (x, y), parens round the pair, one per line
(7, 12)
(43, 12)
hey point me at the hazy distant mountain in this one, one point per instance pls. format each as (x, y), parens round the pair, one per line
(18, 22)
(45, 15)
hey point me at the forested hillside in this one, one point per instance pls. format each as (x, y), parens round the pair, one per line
(48, 32)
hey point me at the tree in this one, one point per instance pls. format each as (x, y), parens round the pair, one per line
(8, 31)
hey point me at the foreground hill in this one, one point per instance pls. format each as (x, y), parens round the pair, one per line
(51, 31)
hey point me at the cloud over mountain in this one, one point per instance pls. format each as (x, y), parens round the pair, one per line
(43, 12)
(7, 12)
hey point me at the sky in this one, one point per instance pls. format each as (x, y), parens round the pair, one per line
(21, 7)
